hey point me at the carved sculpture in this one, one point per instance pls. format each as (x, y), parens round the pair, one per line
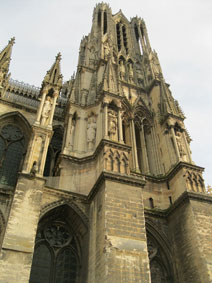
(34, 168)
(46, 111)
(112, 124)
(71, 143)
(180, 144)
(91, 132)
(106, 51)
(1, 76)
(84, 97)
(131, 74)
(92, 59)
(122, 70)
(155, 67)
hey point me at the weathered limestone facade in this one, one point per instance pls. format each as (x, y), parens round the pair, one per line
(97, 182)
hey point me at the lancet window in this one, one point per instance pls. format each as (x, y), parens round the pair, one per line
(105, 22)
(118, 33)
(57, 252)
(53, 153)
(124, 33)
(160, 263)
(12, 149)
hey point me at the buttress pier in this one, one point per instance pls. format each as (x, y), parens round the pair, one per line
(103, 187)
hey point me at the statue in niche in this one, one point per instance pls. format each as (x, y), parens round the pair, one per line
(131, 74)
(106, 51)
(46, 111)
(1, 76)
(84, 97)
(91, 132)
(92, 59)
(180, 144)
(34, 168)
(122, 70)
(112, 124)
(72, 132)
(155, 67)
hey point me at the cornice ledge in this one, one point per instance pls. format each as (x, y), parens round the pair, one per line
(173, 172)
(31, 177)
(105, 175)
(96, 152)
(186, 196)
(66, 194)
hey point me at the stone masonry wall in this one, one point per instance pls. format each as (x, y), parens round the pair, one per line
(183, 232)
(203, 224)
(126, 248)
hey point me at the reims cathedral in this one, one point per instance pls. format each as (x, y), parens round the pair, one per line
(97, 181)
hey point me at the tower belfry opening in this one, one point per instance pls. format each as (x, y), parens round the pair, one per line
(97, 181)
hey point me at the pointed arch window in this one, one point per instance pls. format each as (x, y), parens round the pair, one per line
(53, 153)
(118, 33)
(55, 259)
(12, 149)
(105, 22)
(99, 18)
(124, 32)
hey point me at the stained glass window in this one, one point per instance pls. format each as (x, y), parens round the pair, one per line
(56, 247)
(40, 272)
(66, 267)
(11, 153)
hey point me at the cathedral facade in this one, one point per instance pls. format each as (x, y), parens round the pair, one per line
(97, 181)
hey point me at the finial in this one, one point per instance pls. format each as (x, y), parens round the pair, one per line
(12, 40)
(58, 57)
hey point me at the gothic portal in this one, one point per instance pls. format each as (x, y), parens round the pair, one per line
(97, 182)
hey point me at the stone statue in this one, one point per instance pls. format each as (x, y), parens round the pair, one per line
(122, 70)
(156, 67)
(131, 74)
(1, 76)
(46, 111)
(84, 97)
(92, 59)
(106, 51)
(91, 132)
(180, 144)
(72, 132)
(34, 169)
(112, 124)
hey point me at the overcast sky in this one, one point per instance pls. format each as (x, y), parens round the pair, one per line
(179, 30)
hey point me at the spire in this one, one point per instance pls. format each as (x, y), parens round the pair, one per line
(53, 77)
(5, 56)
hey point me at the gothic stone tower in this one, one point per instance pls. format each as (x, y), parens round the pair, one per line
(97, 183)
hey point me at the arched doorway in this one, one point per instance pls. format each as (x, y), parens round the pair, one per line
(60, 248)
(161, 263)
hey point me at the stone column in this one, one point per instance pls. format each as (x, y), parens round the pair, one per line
(45, 91)
(147, 39)
(120, 126)
(175, 143)
(106, 120)
(134, 147)
(187, 147)
(68, 130)
(144, 151)
(56, 93)
(142, 40)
